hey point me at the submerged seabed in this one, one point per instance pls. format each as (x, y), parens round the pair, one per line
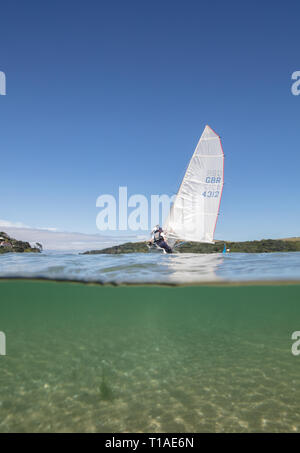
(153, 267)
(86, 358)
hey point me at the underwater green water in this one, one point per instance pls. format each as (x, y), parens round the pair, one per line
(85, 358)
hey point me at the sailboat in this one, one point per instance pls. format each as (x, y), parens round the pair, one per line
(194, 213)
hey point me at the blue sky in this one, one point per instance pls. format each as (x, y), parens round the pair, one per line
(102, 94)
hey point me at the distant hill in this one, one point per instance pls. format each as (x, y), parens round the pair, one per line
(263, 246)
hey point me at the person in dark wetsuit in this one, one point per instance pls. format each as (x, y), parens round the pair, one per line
(159, 239)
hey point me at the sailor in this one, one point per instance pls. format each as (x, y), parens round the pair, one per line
(158, 238)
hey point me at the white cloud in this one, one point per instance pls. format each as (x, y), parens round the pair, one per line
(47, 229)
(53, 239)
(7, 223)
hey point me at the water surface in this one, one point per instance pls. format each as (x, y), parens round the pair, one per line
(153, 267)
(89, 358)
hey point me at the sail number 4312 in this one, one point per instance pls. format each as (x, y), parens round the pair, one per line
(211, 194)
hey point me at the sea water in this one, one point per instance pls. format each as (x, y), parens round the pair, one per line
(153, 267)
(205, 357)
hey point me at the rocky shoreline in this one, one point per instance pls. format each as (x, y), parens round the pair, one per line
(263, 246)
(9, 245)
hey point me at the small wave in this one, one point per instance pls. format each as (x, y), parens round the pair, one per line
(145, 268)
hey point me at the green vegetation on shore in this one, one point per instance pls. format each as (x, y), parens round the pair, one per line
(263, 246)
(8, 245)
(129, 247)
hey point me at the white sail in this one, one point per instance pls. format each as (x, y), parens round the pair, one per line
(194, 213)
